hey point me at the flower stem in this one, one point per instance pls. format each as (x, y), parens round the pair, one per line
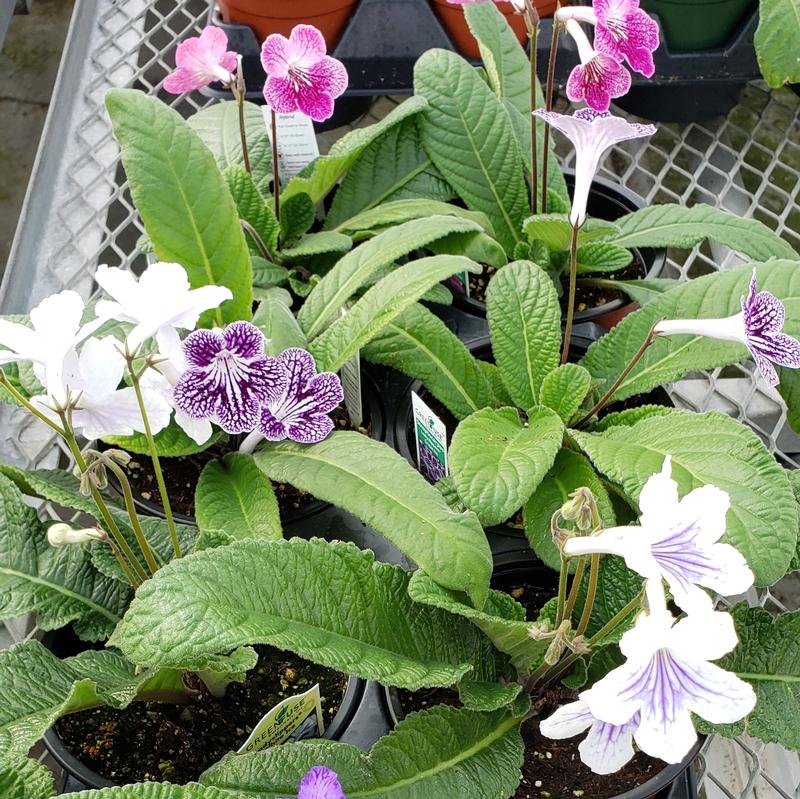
(562, 591)
(253, 233)
(7, 385)
(573, 591)
(548, 104)
(151, 445)
(532, 23)
(603, 401)
(591, 592)
(573, 274)
(251, 442)
(276, 178)
(238, 89)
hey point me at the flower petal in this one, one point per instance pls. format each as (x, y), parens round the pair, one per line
(274, 55)
(199, 430)
(306, 44)
(320, 783)
(310, 428)
(272, 428)
(315, 103)
(101, 368)
(665, 736)
(720, 696)
(237, 413)
(608, 747)
(326, 389)
(191, 395)
(706, 636)
(329, 75)
(280, 95)
(658, 499)
(202, 346)
(19, 340)
(244, 339)
(567, 721)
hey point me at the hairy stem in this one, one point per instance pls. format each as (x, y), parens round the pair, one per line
(253, 233)
(562, 591)
(573, 274)
(591, 592)
(6, 383)
(573, 591)
(238, 89)
(548, 102)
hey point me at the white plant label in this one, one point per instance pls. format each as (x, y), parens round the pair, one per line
(430, 435)
(297, 142)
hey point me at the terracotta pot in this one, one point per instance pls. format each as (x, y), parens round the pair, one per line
(280, 16)
(452, 17)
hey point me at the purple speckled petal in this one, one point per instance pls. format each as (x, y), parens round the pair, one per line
(326, 390)
(329, 75)
(237, 412)
(576, 85)
(274, 56)
(624, 31)
(320, 783)
(244, 339)
(306, 44)
(271, 428)
(191, 395)
(280, 95)
(780, 348)
(763, 312)
(309, 428)
(300, 368)
(315, 103)
(202, 346)
(266, 379)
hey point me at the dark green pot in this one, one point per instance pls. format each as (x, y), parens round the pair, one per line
(698, 24)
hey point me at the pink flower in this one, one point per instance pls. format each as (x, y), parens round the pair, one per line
(300, 76)
(201, 60)
(624, 31)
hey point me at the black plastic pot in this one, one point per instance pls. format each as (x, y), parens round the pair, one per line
(374, 416)
(607, 201)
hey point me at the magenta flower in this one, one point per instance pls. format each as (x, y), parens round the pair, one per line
(758, 327)
(301, 413)
(201, 60)
(625, 31)
(300, 76)
(229, 378)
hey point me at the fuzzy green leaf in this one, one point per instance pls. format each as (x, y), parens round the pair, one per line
(399, 211)
(171, 442)
(253, 208)
(555, 230)
(318, 244)
(602, 256)
(789, 389)
(267, 274)
(376, 484)
(777, 41)
(26, 779)
(297, 215)
(275, 319)
(640, 291)
(565, 389)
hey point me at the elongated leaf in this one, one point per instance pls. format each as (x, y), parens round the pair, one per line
(555, 230)
(640, 291)
(777, 41)
(474, 245)
(670, 357)
(267, 274)
(496, 463)
(525, 323)
(380, 305)
(709, 449)
(470, 139)
(26, 779)
(234, 500)
(253, 208)
(319, 243)
(155, 790)
(569, 471)
(218, 127)
(565, 389)
(181, 197)
(276, 321)
(421, 345)
(171, 442)
(298, 213)
(487, 695)
(399, 211)
(678, 226)
(458, 753)
(356, 268)
(629, 416)
(602, 256)
(319, 177)
(290, 594)
(378, 485)
(394, 167)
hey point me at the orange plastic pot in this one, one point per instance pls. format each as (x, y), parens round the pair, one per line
(280, 16)
(452, 17)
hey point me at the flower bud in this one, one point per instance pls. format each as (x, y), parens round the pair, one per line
(581, 508)
(60, 534)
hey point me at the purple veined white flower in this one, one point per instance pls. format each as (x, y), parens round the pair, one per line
(320, 783)
(300, 74)
(201, 60)
(92, 379)
(759, 327)
(159, 303)
(606, 748)
(591, 134)
(676, 540)
(668, 676)
(301, 413)
(229, 377)
(55, 331)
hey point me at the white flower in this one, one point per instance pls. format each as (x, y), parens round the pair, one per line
(667, 677)
(101, 407)
(607, 747)
(676, 540)
(60, 534)
(157, 304)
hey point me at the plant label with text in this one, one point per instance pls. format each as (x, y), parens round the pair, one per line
(430, 435)
(297, 142)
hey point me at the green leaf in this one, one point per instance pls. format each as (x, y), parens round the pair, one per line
(274, 318)
(569, 471)
(319, 177)
(794, 481)
(355, 269)
(677, 226)
(154, 790)
(65, 686)
(26, 779)
(182, 198)
(789, 389)
(234, 500)
(171, 442)
(297, 215)
(376, 484)
(640, 291)
(399, 211)
(380, 305)
(525, 324)
(487, 695)
(565, 389)
(709, 449)
(777, 41)
(670, 357)
(421, 345)
(253, 208)
(471, 141)
(496, 463)
(218, 127)
(602, 256)
(266, 274)
(59, 584)
(291, 594)
(458, 753)
(629, 416)
(500, 620)
(394, 167)
(474, 245)
(317, 244)
(555, 230)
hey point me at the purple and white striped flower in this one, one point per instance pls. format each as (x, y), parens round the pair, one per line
(301, 413)
(759, 327)
(229, 377)
(607, 747)
(667, 676)
(320, 783)
(676, 540)
(591, 134)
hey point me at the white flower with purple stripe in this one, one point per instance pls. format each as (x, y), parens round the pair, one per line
(759, 327)
(607, 747)
(301, 413)
(676, 540)
(667, 677)
(229, 377)
(320, 783)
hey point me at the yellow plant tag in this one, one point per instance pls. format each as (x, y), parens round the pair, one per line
(280, 722)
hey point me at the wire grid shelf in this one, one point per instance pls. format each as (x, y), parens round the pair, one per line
(79, 213)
